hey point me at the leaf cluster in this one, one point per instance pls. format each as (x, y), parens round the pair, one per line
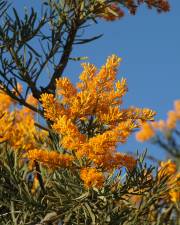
(67, 201)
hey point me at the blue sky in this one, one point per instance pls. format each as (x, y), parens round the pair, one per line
(149, 44)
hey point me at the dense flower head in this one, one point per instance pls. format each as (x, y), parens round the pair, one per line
(92, 177)
(17, 125)
(90, 120)
(6, 123)
(149, 129)
(50, 158)
(5, 101)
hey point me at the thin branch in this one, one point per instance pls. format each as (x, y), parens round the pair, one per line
(64, 58)
(21, 101)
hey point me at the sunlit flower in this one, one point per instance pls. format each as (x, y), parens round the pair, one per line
(50, 159)
(89, 119)
(91, 177)
(17, 126)
(145, 133)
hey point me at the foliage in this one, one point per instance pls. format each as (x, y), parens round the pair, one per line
(75, 175)
(66, 169)
(133, 198)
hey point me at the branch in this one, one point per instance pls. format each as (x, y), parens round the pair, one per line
(64, 59)
(21, 101)
(24, 73)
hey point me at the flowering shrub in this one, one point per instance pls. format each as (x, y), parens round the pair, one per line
(90, 122)
(61, 156)
(72, 173)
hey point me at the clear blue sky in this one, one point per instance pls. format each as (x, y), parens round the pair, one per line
(149, 44)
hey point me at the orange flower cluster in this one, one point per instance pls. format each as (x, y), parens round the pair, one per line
(5, 101)
(50, 158)
(17, 125)
(92, 178)
(113, 11)
(169, 168)
(148, 130)
(89, 119)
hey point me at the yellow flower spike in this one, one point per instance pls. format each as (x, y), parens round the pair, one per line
(71, 137)
(112, 116)
(112, 62)
(87, 74)
(65, 88)
(121, 87)
(52, 108)
(83, 104)
(174, 195)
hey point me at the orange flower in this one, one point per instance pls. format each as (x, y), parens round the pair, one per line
(15, 124)
(50, 159)
(51, 107)
(65, 89)
(89, 117)
(92, 177)
(146, 132)
(5, 101)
